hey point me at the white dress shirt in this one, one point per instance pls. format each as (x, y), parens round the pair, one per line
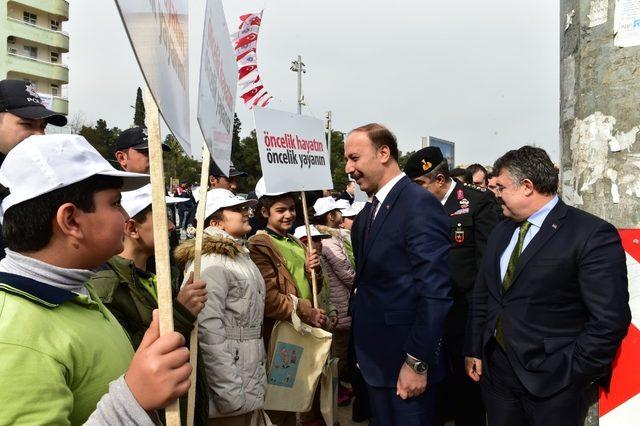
(385, 190)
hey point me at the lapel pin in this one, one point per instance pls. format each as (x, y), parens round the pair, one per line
(387, 206)
(554, 226)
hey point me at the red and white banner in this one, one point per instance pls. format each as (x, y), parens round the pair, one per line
(621, 405)
(245, 42)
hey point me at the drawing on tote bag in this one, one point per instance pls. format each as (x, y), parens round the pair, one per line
(284, 365)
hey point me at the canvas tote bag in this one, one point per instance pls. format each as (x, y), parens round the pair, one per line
(298, 353)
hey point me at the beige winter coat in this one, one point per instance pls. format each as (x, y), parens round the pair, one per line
(230, 323)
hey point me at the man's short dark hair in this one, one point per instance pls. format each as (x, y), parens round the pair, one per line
(28, 226)
(475, 168)
(530, 163)
(462, 174)
(380, 136)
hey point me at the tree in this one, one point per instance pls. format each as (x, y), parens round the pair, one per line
(102, 138)
(245, 157)
(139, 116)
(179, 165)
(402, 161)
(337, 162)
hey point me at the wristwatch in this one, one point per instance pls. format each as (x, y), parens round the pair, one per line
(416, 365)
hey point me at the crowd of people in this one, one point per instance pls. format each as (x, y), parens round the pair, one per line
(450, 294)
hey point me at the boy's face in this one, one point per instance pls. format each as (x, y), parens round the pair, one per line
(144, 230)
(103, 228)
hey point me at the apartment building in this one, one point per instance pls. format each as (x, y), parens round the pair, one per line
(32, 43)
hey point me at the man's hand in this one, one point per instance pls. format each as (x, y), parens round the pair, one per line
(473, 367)
(312, 261)
(410, 383)
(160, 369)
(193, 295)
(318, 317)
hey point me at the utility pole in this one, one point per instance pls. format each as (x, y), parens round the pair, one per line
(298, 66)
(329, 132)
(599, 124)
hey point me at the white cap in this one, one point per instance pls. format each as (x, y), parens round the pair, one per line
(219, 198)
(133, 202)
(357, 206)
(44, 163)
(301, 232)
(343, 204)
(324, 205)
(348, 212)
(261, 190)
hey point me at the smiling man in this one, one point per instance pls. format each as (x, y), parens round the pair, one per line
(550, 304)
(401, 290)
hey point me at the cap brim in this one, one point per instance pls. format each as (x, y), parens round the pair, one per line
(145, 146)
(175, 200)
(130, 181)
(40, 113)
(237, 173)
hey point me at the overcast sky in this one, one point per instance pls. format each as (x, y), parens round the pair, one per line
(484, 75)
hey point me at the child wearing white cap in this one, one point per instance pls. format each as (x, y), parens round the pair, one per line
(130, 292)
(340, 273)
(286, 266)
(230, 333)
(64, 354)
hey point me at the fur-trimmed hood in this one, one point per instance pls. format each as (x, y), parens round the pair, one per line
(215, 241)
(331, 231)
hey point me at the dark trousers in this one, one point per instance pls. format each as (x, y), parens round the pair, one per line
(508, 403)
(388, 409)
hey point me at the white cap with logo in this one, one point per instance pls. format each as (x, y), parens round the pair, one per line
(219, 198)
(43, 163)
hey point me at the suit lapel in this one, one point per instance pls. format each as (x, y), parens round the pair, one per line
(502, 246)
(383, 212)
(550, 226)
(452, 204)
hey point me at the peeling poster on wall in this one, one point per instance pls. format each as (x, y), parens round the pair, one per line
(627, 23)
(598, 12)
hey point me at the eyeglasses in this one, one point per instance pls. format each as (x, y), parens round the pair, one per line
(240, 209)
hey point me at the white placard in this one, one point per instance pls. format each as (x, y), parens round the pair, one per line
(47, 100)
(627, 23)
(158, 32)
(218, 84)
(293, 151)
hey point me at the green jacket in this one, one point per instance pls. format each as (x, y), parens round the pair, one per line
(121, 289)
(58, 352)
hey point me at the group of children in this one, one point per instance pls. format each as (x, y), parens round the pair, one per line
(77, 298)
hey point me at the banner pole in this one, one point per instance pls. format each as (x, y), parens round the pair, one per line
(197, 261)
(314, 284)
(160, 226)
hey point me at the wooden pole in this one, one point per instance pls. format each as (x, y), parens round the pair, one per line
(314, 284)
(193, 341)
(160, 226)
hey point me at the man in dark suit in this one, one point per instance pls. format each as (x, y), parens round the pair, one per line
(473, 214)
(401, 297)
(550, 305)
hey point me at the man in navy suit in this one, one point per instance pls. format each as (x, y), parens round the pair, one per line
(401, 292)
(550, 305)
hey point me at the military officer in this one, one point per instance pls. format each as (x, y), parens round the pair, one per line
(473, 215)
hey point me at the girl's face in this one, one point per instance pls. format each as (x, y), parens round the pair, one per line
(235, 221)
(347, 223)
(281, 216)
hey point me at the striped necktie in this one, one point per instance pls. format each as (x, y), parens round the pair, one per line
(508, 276)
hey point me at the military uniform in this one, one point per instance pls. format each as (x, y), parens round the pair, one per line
(473, 212)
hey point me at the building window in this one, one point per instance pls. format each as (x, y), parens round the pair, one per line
(55, 57)
(55, 90)
(55, 25)
(29, 18)
(31, 51)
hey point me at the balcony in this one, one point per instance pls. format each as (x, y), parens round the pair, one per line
(27, 65)
(55, 7)
(60, 105)
(42, 35)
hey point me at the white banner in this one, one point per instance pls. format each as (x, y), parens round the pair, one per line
(218, 84)
(158, 31)
(47, 100)
(293, 151)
